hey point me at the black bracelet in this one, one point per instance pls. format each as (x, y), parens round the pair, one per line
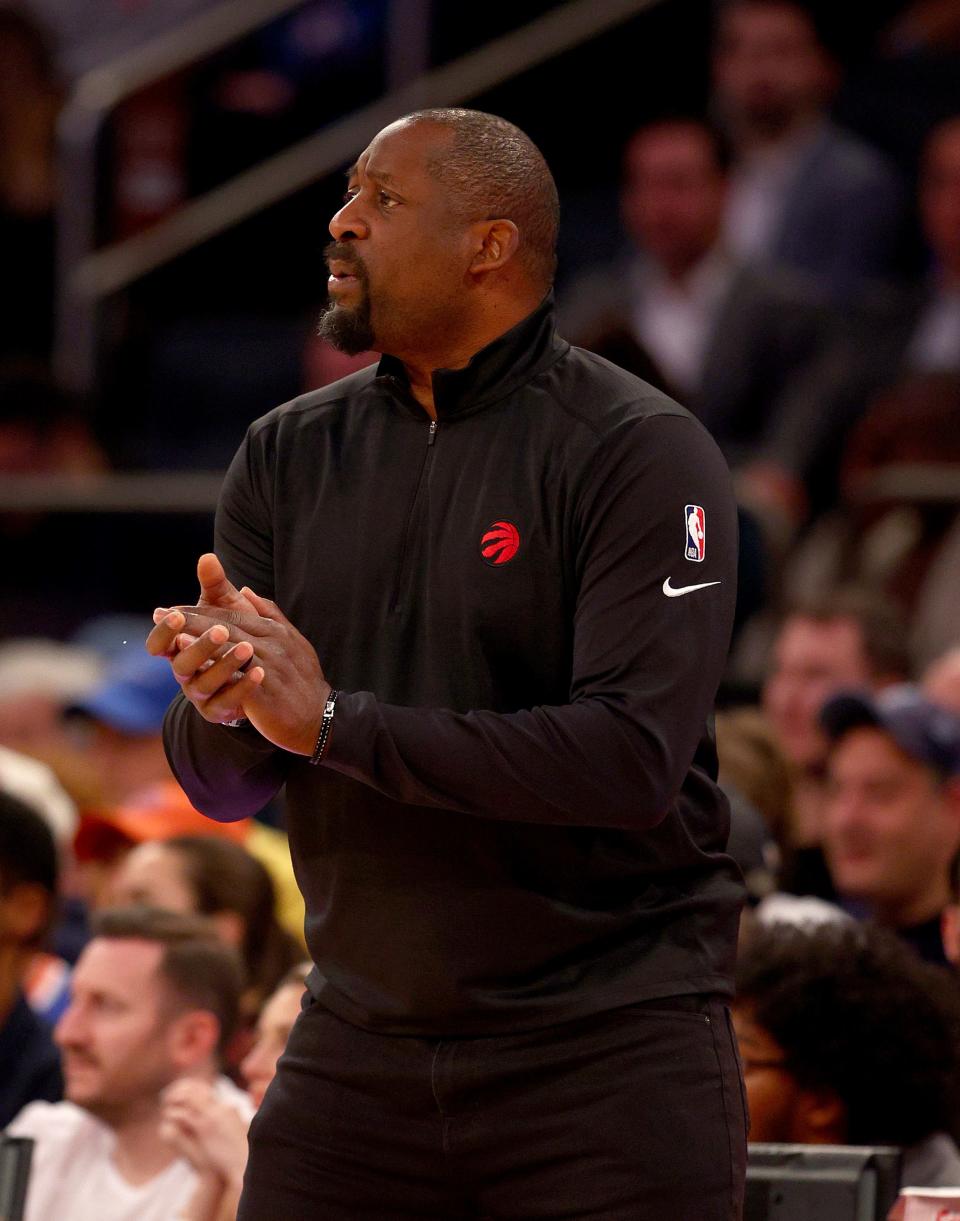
(324, 735)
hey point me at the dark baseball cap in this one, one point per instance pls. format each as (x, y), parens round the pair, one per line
(923, 730)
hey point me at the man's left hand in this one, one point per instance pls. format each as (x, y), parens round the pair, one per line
(286, 707)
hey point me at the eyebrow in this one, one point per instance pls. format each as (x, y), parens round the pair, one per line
(376, 175)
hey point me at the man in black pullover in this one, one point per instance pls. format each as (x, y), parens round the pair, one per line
(517, 564)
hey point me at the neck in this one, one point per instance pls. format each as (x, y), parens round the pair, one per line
(911, 910)
(496, 319)
(12, 963)
(140, 1153)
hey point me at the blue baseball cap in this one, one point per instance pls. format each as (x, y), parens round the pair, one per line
(133, 696)
(923, 730)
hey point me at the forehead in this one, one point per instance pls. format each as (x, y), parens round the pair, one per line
(670, 144)
(403, 151)
(871, 749)
(125, 967)
(773, 21)
(821, 637)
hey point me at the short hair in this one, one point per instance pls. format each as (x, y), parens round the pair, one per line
(493, 169)
(856, 1011)
(201, 971)
(28, 854)
(882, 627)
(826, 29)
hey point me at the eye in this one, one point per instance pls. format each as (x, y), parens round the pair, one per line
(349, 193)
(385, 200)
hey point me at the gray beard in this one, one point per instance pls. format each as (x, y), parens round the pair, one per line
(349, 330)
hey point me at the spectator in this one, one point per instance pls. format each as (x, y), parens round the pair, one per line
(744, 348)
(219, 879)
(892, 813)
(131, 795)
(847, 1039)
(154, 1000)
(29, 1063)
(206, 1132)
(941, 680)
(848, 638)
(804, 192)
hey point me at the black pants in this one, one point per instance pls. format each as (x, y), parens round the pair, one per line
(637, 1113)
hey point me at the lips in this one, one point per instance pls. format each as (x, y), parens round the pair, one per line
(341, 271)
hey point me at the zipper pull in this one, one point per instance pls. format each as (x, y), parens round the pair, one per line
(432, 434)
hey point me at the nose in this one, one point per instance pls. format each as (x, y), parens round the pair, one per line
(349, 223)
(68, 1030)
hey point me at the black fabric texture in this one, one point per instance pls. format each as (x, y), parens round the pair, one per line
(517, 820)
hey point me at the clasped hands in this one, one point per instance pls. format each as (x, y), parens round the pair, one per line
(236, 654)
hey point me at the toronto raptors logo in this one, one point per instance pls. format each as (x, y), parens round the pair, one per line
(500, 543)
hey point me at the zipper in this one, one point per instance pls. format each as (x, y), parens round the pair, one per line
(408, 527)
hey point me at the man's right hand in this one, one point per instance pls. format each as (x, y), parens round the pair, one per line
(202, 665)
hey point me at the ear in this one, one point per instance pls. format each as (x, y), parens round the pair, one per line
(495, 242)
(819, 1118)
(192, 1039)
(231, 928)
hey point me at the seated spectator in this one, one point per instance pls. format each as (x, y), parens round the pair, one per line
(847, 1039)
(219, 879)
(892, 811)
(131, 795)
(941, 680)
(848, 638)
(746, 349)
(29, 1063)
(154, 1000)
(204, 1129)
(804, 192)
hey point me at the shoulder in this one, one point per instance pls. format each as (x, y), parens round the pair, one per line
(602, 398)
(316, 404)
(52, 1123)
(854, 162)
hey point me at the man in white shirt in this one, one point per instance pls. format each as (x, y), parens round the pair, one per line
(154, 998)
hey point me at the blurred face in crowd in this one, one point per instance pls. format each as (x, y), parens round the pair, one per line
(121, 1038)
(780, 1109)
(400, 256)
(273, 1030)
(154, 876)
(891, 827)
(941, 682)
(770, 72)
(123, 763)
(673, 194)
(940, 195)
(811, 660)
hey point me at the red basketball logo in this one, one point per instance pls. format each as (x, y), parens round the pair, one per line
(500, 543)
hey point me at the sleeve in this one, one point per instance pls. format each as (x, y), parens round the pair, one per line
(230, 773)
(651, 633)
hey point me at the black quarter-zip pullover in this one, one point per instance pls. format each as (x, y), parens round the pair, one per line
(527, 607)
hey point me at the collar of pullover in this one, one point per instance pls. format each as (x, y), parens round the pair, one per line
(492, 373)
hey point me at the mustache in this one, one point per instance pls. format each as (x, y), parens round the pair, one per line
(340, 252)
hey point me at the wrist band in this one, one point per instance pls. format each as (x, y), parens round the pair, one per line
(324, 734)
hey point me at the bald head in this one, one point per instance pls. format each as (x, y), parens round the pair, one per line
(493, 170)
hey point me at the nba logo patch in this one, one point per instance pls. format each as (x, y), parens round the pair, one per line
(695, 524)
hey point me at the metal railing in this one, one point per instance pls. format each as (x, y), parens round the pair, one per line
(87, 276)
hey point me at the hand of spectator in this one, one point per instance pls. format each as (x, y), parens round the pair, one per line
(282, 689)
(209, 1133)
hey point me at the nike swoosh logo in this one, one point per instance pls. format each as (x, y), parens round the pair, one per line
(684, 589)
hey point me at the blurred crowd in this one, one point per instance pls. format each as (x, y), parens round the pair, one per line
(787, 265)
